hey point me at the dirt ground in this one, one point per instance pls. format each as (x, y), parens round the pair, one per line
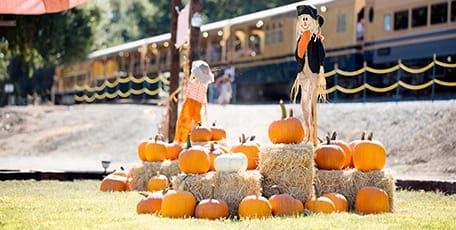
(419, 136)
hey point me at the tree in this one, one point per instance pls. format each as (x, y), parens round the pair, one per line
(39, 42)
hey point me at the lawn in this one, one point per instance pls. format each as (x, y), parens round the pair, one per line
(80, 205)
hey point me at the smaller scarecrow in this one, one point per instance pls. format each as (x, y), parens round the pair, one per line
(195, 99)
(309, 54)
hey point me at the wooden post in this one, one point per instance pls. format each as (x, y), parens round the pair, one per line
(174, 72)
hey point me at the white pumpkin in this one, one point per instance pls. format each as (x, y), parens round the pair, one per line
(231, 162)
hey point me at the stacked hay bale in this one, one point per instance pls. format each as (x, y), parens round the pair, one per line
(142, 172)
(230, 187)
(348, 182)
(290, 166)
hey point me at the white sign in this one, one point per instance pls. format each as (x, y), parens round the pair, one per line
(9, 88)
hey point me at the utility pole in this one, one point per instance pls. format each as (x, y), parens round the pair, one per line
(174, 73)
(195, 33)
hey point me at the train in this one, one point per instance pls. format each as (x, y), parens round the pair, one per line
(261, 46)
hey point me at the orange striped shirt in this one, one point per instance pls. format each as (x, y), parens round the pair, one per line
(197, 91)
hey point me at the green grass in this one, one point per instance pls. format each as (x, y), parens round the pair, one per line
(80, 205)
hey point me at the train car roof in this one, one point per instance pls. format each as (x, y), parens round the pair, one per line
(210, 26)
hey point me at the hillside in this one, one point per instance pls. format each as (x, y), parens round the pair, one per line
(419, 136)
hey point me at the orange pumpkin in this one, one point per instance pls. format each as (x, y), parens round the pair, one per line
(155, 150)
(250, 149)
(178, 203)
(150, 203)
(369, 155)
(217, 132)
(319, 204)
(339, 201)
(141, 149)
(329, 156)
(212, 208)
(172, 150)
(194, 159)
(284, 204)
(114, 183)
(346, 147)
(213, 153)
(286, 130)
(371, 200)
(201, 133)
(254, 206)
(157, 183)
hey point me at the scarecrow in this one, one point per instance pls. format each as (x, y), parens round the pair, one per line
(194, 100)
(310, 78)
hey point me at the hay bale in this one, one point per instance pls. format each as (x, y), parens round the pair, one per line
(230, 187)
(349, 182)
(290, 166)
(142, 172)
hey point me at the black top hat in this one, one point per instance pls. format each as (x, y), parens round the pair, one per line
(307, 9)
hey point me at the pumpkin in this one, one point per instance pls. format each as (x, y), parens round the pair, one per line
(249, 148)
(217, 132)
(369, 155)
(371, 200)
(339, 201)
(286, 130)
(141, 149)
(117, 181)
(211, 208)
(157, 183)
(114, 183)
(214, 153)
(201, 133)
(284, 204)
(178, 203)
(345, 147)
(329, 156)
(155, 150)
(150, 203)
(254, 206)
(319, 204)
(172, 150)
(231, 162)
(194, 159)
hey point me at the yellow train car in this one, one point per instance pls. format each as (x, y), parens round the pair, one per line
(261, 47)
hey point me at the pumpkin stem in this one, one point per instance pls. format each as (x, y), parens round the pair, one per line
(212, 191)
(142, 193)
(252, 138)
(189, 142)
(283, 109)
(242, 138)
(291, 113)
(370, 136)
(181, 185)
(334, 135)
(317, 191)
(328, 140)
(363, 135)
(212, 147)
(158, 173)
(379, 182)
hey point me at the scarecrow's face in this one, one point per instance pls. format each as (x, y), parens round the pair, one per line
(305, 22)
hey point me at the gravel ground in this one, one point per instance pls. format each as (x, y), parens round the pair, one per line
(419, 136)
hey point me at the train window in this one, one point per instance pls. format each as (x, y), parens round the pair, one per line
(439, 13)
(254, 44)
(387, 22)
(453, 11)
(341, 23)
(419, 16)
(371, 15)
(401, 20)
(279, 37)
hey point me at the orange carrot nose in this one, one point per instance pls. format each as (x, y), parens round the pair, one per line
(305, 23)
(303, 41)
